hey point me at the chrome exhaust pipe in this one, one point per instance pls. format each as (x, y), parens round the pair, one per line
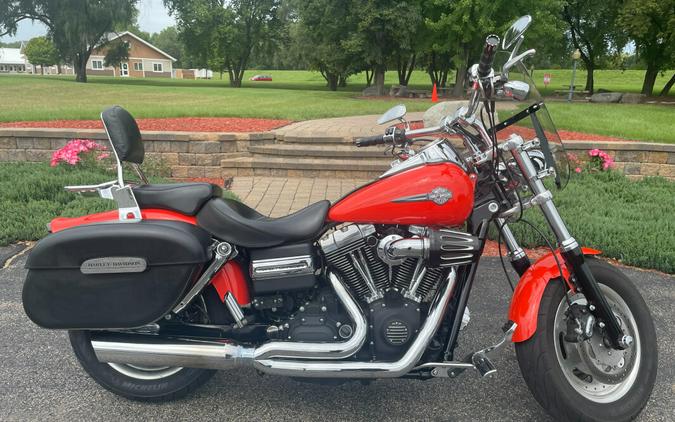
(273, 360)
(169, 352)
(342, 369)
(198, 354)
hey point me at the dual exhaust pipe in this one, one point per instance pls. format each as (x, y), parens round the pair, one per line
(296, 359)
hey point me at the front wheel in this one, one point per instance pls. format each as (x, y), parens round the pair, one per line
(589, 380)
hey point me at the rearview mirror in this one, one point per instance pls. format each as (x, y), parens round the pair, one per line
(394, 113)
(516, 90)
(516, 31)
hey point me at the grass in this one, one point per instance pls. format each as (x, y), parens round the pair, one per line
(301, 95)
(640, 122)
(630, 221)
(610, 80)
(644, 122)
(50, 98)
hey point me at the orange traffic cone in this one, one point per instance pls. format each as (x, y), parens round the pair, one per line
(434, 95)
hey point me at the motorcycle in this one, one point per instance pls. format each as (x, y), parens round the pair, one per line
(179, 282)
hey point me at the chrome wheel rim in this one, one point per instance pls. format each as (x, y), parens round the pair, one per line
(595, 371)
(144, 372)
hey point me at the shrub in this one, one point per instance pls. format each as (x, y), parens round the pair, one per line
(630, 221)
(31, 195)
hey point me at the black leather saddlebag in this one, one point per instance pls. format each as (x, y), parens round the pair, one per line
(113, 275)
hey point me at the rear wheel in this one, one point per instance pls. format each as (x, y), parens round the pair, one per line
(137, 382)
(149, 383)
(590, 380)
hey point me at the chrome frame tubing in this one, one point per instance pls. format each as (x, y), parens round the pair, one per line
(515, 251)
(517, 255)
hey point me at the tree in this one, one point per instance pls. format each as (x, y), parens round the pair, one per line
(324, 26)
(224, 34)
(651, 24)
(169, 41)
(117, 52)
(379, 34)
(461, 28)
(75, 26)
(593, 31)
(41, 51)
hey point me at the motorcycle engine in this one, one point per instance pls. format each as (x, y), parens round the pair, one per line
(395, 295)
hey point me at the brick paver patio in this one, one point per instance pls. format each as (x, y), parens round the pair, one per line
(280, 196)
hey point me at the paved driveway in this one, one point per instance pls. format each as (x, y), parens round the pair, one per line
(41, 380)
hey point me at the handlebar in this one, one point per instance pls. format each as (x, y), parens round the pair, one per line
(370, 141)
(488, 56)
(398, 136)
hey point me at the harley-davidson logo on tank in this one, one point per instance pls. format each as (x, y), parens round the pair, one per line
(113, 265)
(438, 196)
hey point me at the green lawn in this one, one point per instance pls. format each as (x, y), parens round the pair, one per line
(301, 95)
(611, 80)
(644, 122)
(50, 98)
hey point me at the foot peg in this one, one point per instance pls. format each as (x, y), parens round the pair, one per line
(482, 364)
(479, 359)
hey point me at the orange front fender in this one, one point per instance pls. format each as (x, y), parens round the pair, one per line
(525, 302)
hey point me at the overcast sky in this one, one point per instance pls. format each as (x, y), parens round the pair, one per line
(153, 17)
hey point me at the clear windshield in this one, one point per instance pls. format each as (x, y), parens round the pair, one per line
(530, 119)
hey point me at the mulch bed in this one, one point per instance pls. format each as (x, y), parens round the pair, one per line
(528, 133)
(181, 124)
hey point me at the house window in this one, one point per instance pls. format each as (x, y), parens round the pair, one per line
(97, 64)
(157, 67)
(138, 66)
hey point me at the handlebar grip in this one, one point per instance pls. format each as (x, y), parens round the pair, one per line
(488, 56)
(370, 141)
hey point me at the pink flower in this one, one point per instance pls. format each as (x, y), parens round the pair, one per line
(578, 169)
(70, 153)
(594, 152)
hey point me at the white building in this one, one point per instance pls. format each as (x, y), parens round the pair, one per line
(12, 60)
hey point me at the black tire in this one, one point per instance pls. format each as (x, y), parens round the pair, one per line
(544, 376)
(172, 387)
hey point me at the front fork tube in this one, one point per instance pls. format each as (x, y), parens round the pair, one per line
(571, 251)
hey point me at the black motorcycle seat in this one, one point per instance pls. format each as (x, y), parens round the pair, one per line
(185, 198)
(234, 222)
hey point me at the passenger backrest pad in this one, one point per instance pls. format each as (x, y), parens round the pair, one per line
(124, 134)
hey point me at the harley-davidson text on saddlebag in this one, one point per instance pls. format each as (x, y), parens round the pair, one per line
(113, 275)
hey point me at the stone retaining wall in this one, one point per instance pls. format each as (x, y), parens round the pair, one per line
(188, 154)
(199, 154)
(635, 159)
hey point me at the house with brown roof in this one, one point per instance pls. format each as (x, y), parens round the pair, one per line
(145, 60)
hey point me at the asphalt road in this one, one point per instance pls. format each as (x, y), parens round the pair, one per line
(40, 378)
